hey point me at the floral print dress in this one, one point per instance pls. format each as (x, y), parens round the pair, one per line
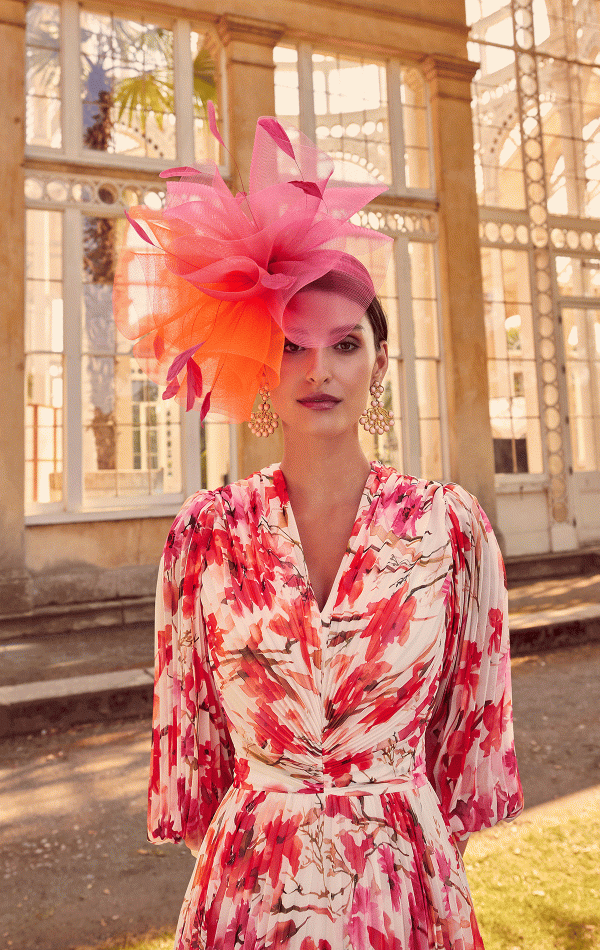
(322, 763)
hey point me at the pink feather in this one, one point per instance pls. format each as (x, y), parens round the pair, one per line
(212, 122)
(180, 361)
(180, 172)
(309, 187)
(139, 230)
(194, 383)
(172, 389)
(278, 134)
(205, 407)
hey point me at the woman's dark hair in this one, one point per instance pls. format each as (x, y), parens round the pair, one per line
(378, 321)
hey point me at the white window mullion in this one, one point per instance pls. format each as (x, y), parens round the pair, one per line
(441, 362)
(183, 77)
(71, 85)
(394, 83)
(432, 176)
(234, 468)
(305, 91)
(411, 432)
(191, 470)
(73, 423)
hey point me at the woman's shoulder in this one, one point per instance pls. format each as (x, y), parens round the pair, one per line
(208, 505)
(399, 483)
(197, 510)
(450, 500)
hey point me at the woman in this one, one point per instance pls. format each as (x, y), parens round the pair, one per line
(332, 711)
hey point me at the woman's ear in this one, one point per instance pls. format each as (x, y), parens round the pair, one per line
(381, 360)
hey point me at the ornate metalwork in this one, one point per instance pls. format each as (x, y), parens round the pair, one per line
(539, 232)
(60, 189)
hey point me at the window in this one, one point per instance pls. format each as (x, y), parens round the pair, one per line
(514, 410)
(373, 118)
(536, 111)
(44, 366)
(99, 436)
(581, 329)
(43, 77)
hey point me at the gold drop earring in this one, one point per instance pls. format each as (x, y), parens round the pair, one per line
(376, 419)
(264, 421)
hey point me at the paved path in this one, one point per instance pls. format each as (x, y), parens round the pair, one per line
(75, 866)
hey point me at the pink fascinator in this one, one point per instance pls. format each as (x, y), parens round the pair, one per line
(210, 286)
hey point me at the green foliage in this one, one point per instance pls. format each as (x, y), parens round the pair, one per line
(149, 93)
(204, 82)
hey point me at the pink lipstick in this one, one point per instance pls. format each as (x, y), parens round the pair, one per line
(319, 401)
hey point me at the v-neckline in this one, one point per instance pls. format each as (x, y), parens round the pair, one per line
(293, 527)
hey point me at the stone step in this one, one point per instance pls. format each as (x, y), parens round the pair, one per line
(68, 618)
(524, 570)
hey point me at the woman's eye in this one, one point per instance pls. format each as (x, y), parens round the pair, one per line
(289, 347)
(348, 345)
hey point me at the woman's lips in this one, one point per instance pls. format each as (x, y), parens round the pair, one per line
(319, 402)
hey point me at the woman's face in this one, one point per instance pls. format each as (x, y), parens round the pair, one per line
(324, 390)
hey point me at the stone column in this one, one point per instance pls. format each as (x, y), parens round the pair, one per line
(13, 577)
(249, 45)
(464, 344)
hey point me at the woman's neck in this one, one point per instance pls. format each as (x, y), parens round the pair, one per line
(322, 472)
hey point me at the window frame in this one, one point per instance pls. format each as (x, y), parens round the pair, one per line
(84, 166)
(397, 200)
(397, 188)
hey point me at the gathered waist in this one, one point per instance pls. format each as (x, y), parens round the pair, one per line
(260, 776)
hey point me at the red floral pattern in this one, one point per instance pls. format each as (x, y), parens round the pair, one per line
(322, 763)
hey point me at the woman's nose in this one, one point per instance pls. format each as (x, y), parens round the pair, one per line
(317, 366)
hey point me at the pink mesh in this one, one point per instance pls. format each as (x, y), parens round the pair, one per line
(223, 278)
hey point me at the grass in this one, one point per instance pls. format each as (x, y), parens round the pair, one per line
(535, 882)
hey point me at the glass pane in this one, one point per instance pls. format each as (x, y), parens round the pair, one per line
(581, 330)
(578, 276)
(43, 428)
(44, 245)
(431, 449)
(388, 295)
(416, 162)
(44, 316)
(44, 360)
(427, 389)
(127, 86)
(579, 388)
(575, 334)
(43, 76)
(583, 444)
(351, 114)
(499, 166)
(425, 317)
(422, 270)
(287, 96)
(515, 271)
(131, 438)
(206, 148)
(415, 120)
(500, 388)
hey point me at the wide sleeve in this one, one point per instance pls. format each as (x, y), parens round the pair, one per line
(469, 745)
(192, 752)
